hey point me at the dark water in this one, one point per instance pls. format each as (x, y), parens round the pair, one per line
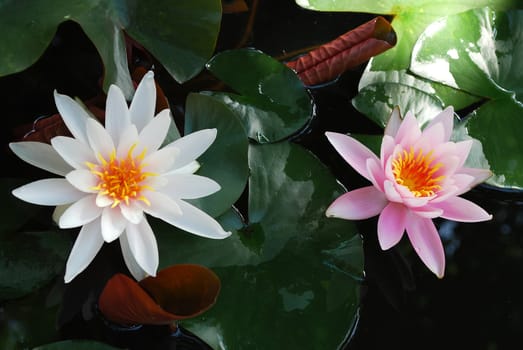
(477, 305)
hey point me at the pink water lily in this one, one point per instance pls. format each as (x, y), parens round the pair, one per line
(418, 176)
(114, 175)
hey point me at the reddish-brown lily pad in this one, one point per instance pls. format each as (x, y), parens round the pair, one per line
(185, 290)
(177, 292)
(345, 52)
(123, 301)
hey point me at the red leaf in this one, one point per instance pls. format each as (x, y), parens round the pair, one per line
(347, 51)
(185, 290)
(44, 129)
(234, 6)
(124, 302)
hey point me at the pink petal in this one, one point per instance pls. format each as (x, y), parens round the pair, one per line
(391, 225)
(446, 119)
(391, 193)
(426, 242)
(354, 152)
(359, 204)
(460, 209)
(387, 148)
(456, 185)
(416, 202)
(479, 175)
(408, 131)
(462, 151)
(394, 122)
(376, 174)
(431, 137)
(427, 211)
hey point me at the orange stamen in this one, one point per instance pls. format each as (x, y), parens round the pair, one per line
(416, 171)
(122, 179)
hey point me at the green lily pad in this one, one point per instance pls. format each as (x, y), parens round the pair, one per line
(29, 260)
(30, 321)
(226, 160)
(15, 213)
(411, 17)
(479, 52)
(181, 35)
(378, 100)
(270, 99)
(286, 268)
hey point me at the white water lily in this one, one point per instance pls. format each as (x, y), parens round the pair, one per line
(115, 175)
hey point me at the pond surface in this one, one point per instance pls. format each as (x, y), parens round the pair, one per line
(477, 305)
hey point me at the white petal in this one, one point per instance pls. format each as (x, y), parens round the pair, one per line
(73, 151)
(117, 116)
(153, 135)
(103, 200)
(74, 116)
(113, 224)
(99, 139)
(144, 102)
(58, 211)
(196, 221)
(192, 146)
(161, 161)
(190, 168)
(142, 244)
(128, 138)
(85, 248)
(135, 269)
(48, 192)
(82, 179)
(162, 206)
(41, 155)
(132, 213)
(80, 213)
(189, 186)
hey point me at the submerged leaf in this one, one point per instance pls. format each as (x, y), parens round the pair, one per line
(345, 52)
(184, 290)
(177, 292)
(124, 302)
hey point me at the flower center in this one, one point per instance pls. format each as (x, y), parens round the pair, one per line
(416, 171)
(122, 180)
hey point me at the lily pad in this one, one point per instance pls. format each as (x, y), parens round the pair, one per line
(304, 266)
(29, 321)
(270, 99)
(226, 160)
(411, 17)
(180, 34)
(29, 260)
(479, 52)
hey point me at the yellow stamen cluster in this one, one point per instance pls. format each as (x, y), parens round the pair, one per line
(121, 179)
(416, 171)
